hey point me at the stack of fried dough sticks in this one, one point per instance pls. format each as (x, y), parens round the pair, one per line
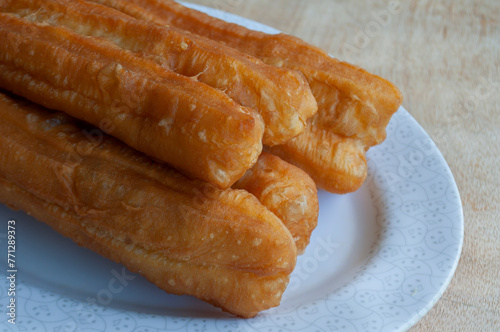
(179, 188)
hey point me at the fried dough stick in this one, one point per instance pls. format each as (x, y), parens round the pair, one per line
(226, 249)
(280, 95)
(354, 107)
(193, 127)
(351, 101)
(288, 192)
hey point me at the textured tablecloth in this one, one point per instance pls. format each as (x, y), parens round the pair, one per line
(445, 58)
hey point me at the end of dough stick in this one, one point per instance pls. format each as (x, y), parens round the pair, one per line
(288, 192)
(336, 164)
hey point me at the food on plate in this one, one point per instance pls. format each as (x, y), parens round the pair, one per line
(288, 192)
(186, 236)
(354, 106)
(281, 96)
(254, 122)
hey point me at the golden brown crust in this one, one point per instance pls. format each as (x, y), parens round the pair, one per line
(288, 192)
(185, 235)
(354, 106)
(185, 123)
(337, 164)
(351, 101)
(281, 96)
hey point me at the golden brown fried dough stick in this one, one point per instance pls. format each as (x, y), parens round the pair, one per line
(281, 96)
(288, 192)
(195, 128)
(337, 164)
(351, 101)
(223, 247)
(354, 106)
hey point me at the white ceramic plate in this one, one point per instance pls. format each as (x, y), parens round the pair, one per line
(379, 259)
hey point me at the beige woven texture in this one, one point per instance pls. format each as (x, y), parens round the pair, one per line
(445, 58)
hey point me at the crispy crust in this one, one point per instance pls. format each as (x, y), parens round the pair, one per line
(186, 236)
(351, 101)
(354, 106)
(288, 192)
(240, 293)
(195, 128)
(337, 164)
(281, 96)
